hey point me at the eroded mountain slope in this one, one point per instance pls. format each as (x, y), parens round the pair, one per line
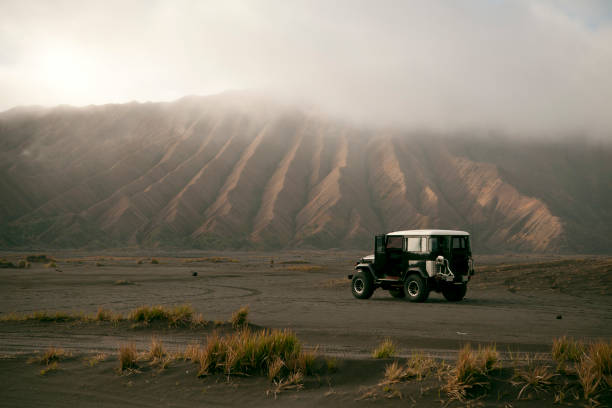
(241, 171)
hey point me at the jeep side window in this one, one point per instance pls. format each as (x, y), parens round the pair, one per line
(438, 245)
(433, 244)
(417, 244)
(459, 243)
(394, 243)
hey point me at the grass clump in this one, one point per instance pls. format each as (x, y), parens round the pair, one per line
(128, 357)
(52, 354)
(43, 316)
(535, 377)
(417, 367)
(595, 370)
(191, 353)
(23, 264)
(275, 353)
(386, 349)
(275, 368)
(470, 377)
(54, 317)
(51, 264)
(105, 315)
(6, 264)
(293, 381)
(240, 317)
(566, 349)
(177, 316)
(154, 261)
(95, 360)
(42, 258)
(157, 350)
(394, 373)
(49, 368)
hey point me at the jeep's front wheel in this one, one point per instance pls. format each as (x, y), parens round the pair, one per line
(416, 288)
(454, 293)
(362, 285)
(398, 293)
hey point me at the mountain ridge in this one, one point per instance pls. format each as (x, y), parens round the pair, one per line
(242, 171)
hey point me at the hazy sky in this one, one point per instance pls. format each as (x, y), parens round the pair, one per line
(518, 66)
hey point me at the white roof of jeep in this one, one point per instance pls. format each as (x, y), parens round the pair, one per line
(427, 232)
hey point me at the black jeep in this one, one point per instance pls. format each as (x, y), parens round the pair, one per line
(413, 263)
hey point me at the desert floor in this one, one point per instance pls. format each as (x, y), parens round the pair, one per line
(519, 303)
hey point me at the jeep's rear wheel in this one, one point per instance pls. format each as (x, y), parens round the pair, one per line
(415, 288)
(398, 293)
(454, 293)
(362, 285)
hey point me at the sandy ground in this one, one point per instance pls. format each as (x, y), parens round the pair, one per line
(312, 298)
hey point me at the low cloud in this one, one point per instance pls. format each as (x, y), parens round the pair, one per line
(522, 67)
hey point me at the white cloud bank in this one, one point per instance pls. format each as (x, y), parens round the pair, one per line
(527, 67)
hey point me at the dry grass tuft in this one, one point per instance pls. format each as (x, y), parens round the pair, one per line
(157, 350)
(192, 353)
(331, 365)
(417, 367)
(52, 354)
(246, 352)
(470, 378)
(49, 368)
(566, 349)
(105, 315)
(6, 264)
(44, 316)
(394, 373)
(154, 261)
(589, 378)
(177, 316)
(275, 368)
(535, 377)
(240, 317)
(294, 381)
(600, 354)
(128, 357)
(51, 265)
(595, 370)
(386, 349)
(23, 264)
(95, 360)
(39, 258)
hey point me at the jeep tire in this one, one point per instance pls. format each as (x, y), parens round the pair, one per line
(454, 293)
(398, 293)
(415, 288)
(362, 285)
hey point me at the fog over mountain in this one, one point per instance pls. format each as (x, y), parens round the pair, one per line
(238, 170)
(524, 67)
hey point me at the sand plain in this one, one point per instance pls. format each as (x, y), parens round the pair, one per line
(518, 303)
